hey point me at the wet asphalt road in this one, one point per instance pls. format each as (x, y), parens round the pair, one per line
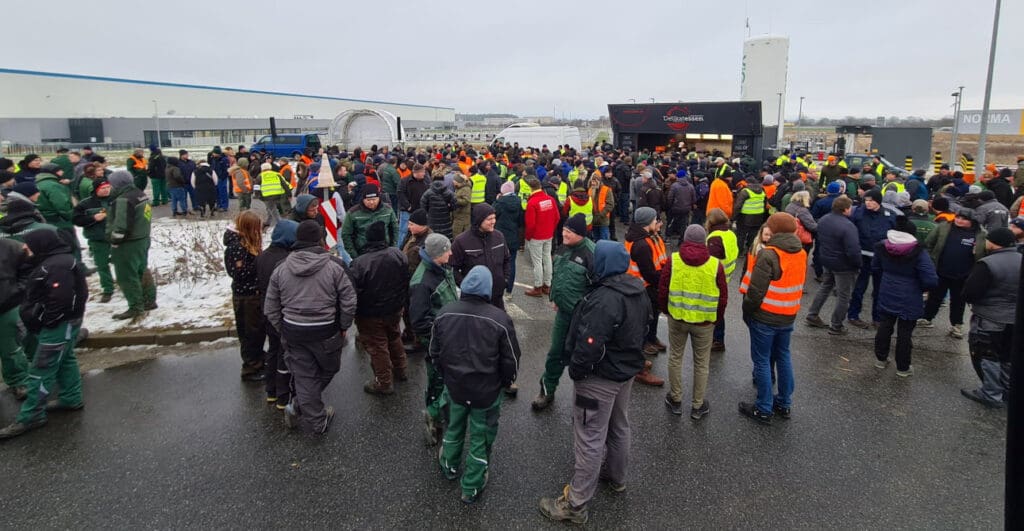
(180, 442)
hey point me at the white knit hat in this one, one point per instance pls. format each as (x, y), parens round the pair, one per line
(898, 237)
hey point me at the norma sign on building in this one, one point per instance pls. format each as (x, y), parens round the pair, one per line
(1000, 122)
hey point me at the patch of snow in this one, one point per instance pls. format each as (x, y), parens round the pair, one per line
(193, 291)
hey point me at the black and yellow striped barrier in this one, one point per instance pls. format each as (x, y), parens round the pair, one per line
(908, 163)
(966, 163)
(937, 163)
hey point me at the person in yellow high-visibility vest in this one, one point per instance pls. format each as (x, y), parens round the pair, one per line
(693, 292)
(271, 189)
(479, 189)
(723, 245)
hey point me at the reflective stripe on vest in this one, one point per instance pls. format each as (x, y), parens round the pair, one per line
(783, 295)
(745, 281)
(563, 192)
(722, 169)
(138, 164)
(754, 205)
(587, 209)
(732, 250)
(479, 189)
(245, 180)
(524, 193)
(658, 256)
(693, 291)
(900, 187)
(270, 184)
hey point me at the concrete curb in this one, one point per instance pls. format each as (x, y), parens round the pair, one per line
(169, 337)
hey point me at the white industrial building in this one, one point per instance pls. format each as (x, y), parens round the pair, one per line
(764, 72)
(47, 108)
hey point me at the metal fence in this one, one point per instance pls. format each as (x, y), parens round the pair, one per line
(25, 149)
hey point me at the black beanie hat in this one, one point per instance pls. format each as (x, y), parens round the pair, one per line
(309, 231)
(376, 232)
(419, 217)
(577, 224)
(1002, 237)
(873, 195)
(940, 204)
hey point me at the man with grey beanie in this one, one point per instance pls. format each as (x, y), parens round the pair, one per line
(647, 254)
(693, 292)
(431, 287)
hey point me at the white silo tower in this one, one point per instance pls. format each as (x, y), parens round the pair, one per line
(765, 66)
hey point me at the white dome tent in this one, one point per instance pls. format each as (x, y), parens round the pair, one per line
(364, 128)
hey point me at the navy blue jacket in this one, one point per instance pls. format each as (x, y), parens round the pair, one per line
(838, 243)
(823, 206)
(187, 167)
(872, 225)
(904, 278)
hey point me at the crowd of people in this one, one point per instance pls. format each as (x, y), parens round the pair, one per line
(424, 260)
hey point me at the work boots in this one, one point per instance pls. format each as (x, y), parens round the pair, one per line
(560, 510)
(645, 377)
(15, 429)
(534, 292)
(543, 401)
(128, 314)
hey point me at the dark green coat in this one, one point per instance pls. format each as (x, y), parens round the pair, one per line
(129, 216)
(359, 218)
(570, 277)
(84, 217)
(54, 201)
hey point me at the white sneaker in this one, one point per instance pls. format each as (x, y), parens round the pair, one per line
(904, 374)
(508, 297)
(879, 364)
(956, 331)
(925, 323)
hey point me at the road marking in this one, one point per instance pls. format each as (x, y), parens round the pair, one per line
(516, 312)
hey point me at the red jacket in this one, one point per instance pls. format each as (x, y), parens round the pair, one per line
(541, 218)
(693, 254)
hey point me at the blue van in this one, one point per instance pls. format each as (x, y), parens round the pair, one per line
(285, 144)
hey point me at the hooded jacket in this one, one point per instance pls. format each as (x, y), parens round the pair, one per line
(310, 296)
(476, 349)
(12, 290)
(272, 256)
(475, 247)
(694, 255)
(55, 290)
(509, 211)
(54, 201)
(609, 324)
(991, 213)
(438, 202)
(20, 217)
(381, 278)
(240, 264)
(681, 197)
(906, 272)
(175, 178)
(767, 268)
(1001, 189)
(410, 192)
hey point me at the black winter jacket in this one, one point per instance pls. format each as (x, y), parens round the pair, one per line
(477, 350)
(439, 202)
(681, 197)
(266, 262)
(838, 243)
(55, 290)
(381, 278)
(410, 192)
(474, 247)
(11, 289)
(608, 330)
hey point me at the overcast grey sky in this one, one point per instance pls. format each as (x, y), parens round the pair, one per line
(864, 58)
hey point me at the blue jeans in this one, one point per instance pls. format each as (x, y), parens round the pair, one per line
(622, 205)
(403, 227)
(222, 192)
(719, 334)
(861, 287)
(512, 251)
(178, 196)
(599, 233)
(770, 344)
(191, 195)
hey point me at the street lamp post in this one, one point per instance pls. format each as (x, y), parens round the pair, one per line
(983, 134)
(959, 95)
(778, 127)
(156, 118)
(800, 113)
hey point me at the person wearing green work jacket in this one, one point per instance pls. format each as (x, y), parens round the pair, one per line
(431, 287)
(55, 204)
(359, 218)
(91, 214)
(129, 219)
(12, 356)
(52, 309)
(569, 281)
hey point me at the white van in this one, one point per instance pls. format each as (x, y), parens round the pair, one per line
(535, 135)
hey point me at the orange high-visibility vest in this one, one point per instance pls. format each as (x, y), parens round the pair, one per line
(602, 197)
(745, 281)
(783, 296)
(139, 164)
(658, 255)
(289, 175)
(248, 184)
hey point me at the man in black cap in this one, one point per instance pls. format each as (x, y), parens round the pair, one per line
(381, 278)
(991, 290)
(482, 245)
(418, 232)
(311, 302)
(569, 282)
(370, 210)
(872, 222)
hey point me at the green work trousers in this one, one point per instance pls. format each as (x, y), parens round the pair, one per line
(100, 251)
(483, 429)
(160, 195)
(131, 259)
(12, 356)
(140, 181)
(555, 364)
(54, 363)
(434, 394)
(244, 200)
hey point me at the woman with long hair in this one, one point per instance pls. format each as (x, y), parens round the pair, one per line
(243, 242)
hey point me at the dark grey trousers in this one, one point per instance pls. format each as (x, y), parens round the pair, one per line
(601, 436)
(842, 282)
(313, 365)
